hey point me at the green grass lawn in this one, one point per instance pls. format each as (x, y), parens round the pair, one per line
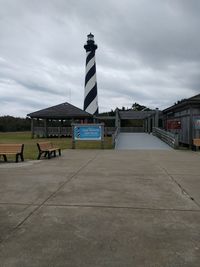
(30, 147)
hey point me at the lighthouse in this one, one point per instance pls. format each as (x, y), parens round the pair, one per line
(90, 97)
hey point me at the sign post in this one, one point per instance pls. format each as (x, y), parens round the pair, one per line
(87, 132)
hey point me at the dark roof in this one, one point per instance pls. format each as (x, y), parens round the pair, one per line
(194, 100)
(61, 111)
(135, 115)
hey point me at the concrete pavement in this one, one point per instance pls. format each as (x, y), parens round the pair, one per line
(101, 208)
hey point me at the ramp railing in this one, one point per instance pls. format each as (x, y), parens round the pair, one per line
(115, 136)
(170, 138)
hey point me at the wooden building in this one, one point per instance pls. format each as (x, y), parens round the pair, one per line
(183, 118)
(56, 120)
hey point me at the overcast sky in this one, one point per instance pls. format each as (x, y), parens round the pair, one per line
(148, 52)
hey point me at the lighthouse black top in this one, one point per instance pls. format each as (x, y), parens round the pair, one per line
(90, 46)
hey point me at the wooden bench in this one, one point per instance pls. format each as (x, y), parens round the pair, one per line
(47, 149)
(12, 149)
(196, 143)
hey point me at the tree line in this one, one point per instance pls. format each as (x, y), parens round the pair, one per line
(16, 124)
(13, 124)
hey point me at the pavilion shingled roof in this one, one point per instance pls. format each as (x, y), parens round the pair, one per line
(61, 111)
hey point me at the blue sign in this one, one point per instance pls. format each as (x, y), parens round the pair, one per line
(87, 132)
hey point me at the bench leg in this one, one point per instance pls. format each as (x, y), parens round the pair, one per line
(5, 158)
(49, 155)
(19, 155)
(194, 148)
(39, 155)
(22, 157)
(54, 153)
(59, 151)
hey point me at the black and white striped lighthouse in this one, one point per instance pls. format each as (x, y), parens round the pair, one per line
(90, 98)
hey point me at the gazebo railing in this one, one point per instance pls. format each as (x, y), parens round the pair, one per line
(39, 131)
(63, 131)
(52, 131)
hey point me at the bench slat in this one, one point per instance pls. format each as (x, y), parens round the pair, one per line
(12, 149)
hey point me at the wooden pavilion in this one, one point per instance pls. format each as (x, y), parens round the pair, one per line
(56, 120)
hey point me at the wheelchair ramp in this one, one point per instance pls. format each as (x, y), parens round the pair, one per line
(141, 141)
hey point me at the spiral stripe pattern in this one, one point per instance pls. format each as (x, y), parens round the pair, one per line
(90, 99)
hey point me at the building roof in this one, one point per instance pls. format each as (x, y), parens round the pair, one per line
(135, 115)
(194, 100)
(61, 111)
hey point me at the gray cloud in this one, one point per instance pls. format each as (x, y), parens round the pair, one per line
(148, 52)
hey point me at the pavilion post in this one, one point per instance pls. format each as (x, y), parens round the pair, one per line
(32, 128)
(37, 126)
(146, 125)
(45, 128)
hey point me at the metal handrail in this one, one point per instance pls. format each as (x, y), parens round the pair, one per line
(168, 137)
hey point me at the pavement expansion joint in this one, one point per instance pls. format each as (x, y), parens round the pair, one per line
(18, 204)
(183, 190)
(118, 207)
(50, 196)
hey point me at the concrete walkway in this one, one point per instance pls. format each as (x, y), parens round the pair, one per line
(140, 141)
(104, 208)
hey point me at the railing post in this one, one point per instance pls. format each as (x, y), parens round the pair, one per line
(176, 143)
(114, 136)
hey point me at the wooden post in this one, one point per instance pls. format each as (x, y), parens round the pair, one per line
(153, 122)
(45, 128)
(37, 126)
(146, 125)
(117, 119)
(191, 129)
(73, 139)
(156, 118)
(149, 124)
(102, 135)
(32, 128)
